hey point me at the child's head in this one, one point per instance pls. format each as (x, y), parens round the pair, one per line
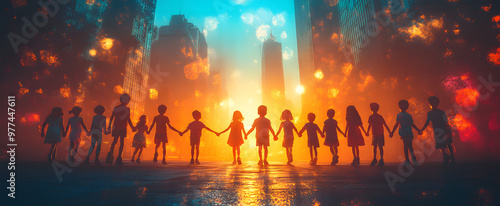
(237, 116)
(196, 115)
(57, 111)
(311, 117)
(330, 113)
(76, 110)
(124, 98)
(99, 109)
(374, 107)
(352, 116)
(403, 105)
(162, 109)
(262, 110)
(433, 101)
(286, 115)
(142, 120)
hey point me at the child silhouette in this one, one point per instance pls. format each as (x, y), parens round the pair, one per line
(354, 136)
(288, 128)
(96, 129)
(161, 121)
(330, 132)
(139, 141)
(235, 139)
(76, 124)
(121, 117)
(262, 125)
(196, 127)
(312, 137)
(377, 122)
(442, 130)
(54, 131)
(405, 123)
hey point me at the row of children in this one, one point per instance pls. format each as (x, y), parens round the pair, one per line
(262, 125)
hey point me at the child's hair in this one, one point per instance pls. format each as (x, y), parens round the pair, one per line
(330, 113)
(196, 114)
(352, 116)
(433, 101)
(162, 109)
(374, 107)
(311, 117)
(262, 110)
(124, 98)
(286, 115)
(142, 120)
(403, 105)
(237, 116)
(76, 110)
(99, 109)
(57, 111)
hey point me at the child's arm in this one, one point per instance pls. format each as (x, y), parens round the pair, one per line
(67, 129)
(84, 127)
(227, 129)
(416, 128)
(387, 127)
(111, 121)
(368, 130)
(182, 133)
(210, 130)
(363, 128)
(272, 132)
(249, 131)
(172, 128)
(338, 129)
(243, 128)
(295, 129)
(134, 129)
(62, 128)
(302, 130)
(394, 129)
(279, 130)
(426, 123)
(152, 125)
(346, 127)
(319, 131)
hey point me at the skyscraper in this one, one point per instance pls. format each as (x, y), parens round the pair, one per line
(273, 81)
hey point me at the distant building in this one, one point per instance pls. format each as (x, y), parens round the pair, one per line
(273, 81)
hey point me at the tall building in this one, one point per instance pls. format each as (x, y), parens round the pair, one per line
(273, 81)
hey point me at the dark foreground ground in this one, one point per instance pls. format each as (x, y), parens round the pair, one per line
(219, 183)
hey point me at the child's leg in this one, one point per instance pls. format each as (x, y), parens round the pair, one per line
(265, 153)
(260, 152)
(197, 151)
(135, 152)
(52, 151)
(156, 148)
(381, 149)
(238, 151)
(311, 153)
(91, 148)
(374, 151)
(71, 147)
(164, 149)
(315, 152)
(336, 150)
(290, 151)
(410, 147)
(140, 152)
(122, 139)
(98, 150)
(406, 148)
(192, 152)
(353, 151)
(77, 145)
(450, 149)
(357, 151)
(112, 148)
(332, 151)
(234, 153)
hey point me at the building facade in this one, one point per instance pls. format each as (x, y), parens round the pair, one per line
(273, 81)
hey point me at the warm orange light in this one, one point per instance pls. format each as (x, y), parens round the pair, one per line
(92, 52)
(494, 57)
(153, 93)
(422, 30)
(107, 43)
(194, 69)
(467, 97)
(118, 89)
(197, 93)
(300, 89)
(39, 91)
(49, 58)
(333, 92)
(65, 91)
(318, 74)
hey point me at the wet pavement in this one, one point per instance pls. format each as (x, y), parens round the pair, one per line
(220, 183)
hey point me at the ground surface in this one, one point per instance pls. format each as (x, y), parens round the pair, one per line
(219, 183)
